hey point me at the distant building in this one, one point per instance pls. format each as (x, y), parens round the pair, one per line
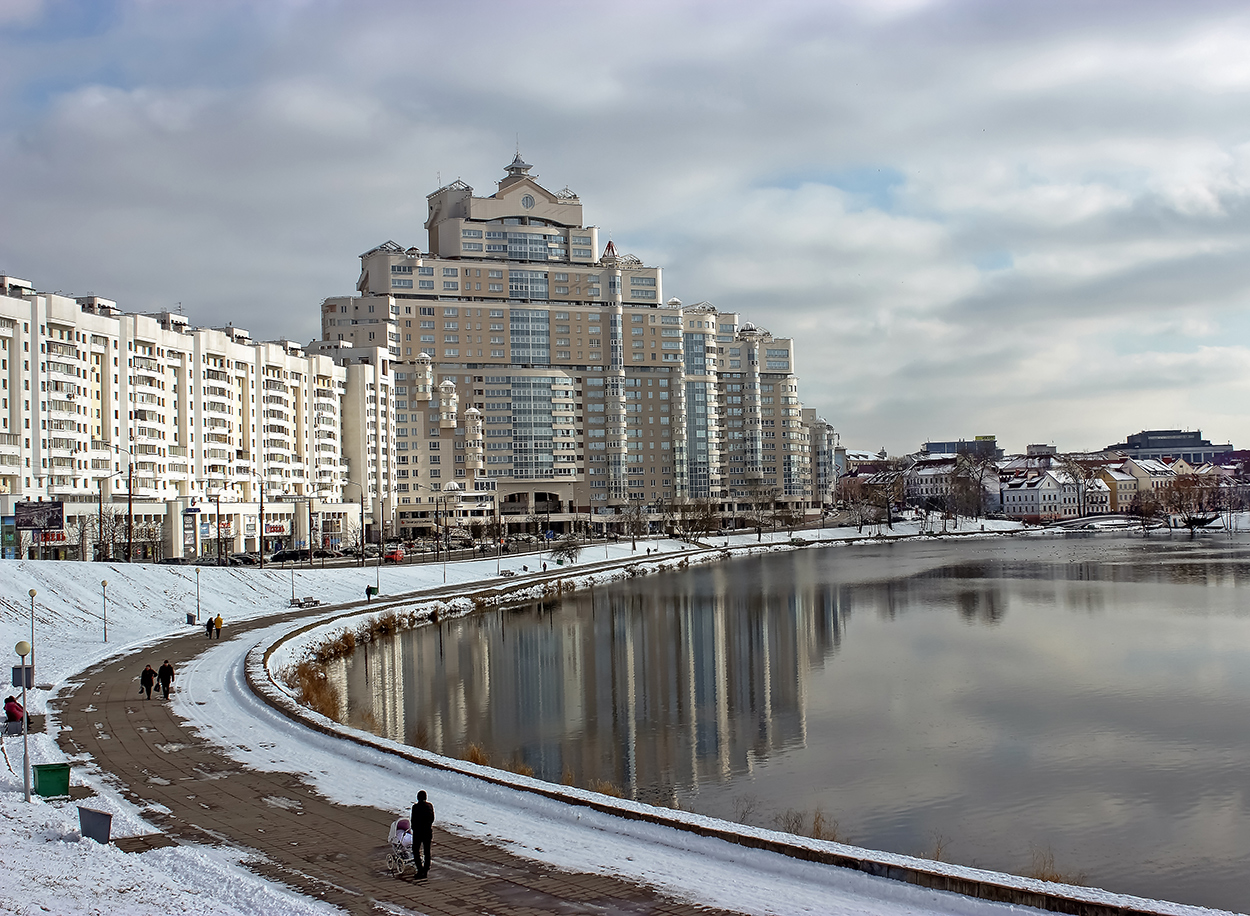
(981, 447)
(1170, 443)
(1052, 495)
(1039, 451)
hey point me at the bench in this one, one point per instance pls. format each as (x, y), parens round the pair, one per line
(309, 601)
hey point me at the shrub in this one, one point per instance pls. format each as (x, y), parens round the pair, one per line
(475, 754)
(791, 821)
(1043, 868)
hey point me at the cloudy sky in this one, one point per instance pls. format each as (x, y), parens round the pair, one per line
(1030, 219)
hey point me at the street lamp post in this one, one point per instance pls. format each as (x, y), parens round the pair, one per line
(261, 524)
(23, 649)
(104, 598)
(197, 594)
(33, 593)
(352, 483)
(219, 526)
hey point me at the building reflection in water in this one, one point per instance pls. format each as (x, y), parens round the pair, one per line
(654, 685)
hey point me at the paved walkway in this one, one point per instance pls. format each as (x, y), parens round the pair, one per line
(325, 850)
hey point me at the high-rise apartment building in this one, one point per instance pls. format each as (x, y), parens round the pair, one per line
(102, 409)
(530, 376)
(513, 370)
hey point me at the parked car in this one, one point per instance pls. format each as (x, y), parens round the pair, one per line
(394, 555)
(243, 559)
(289, 556)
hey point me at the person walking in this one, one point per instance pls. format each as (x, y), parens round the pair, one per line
(217, 623)
(208, 628)
(147, 680)
(13, 711)
(423, 833)
(165, 674)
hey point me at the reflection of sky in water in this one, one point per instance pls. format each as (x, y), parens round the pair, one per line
(1086, 695)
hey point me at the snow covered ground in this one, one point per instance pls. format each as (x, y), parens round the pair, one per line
(46, 867)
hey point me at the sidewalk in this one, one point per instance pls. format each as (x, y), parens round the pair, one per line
(330, 852)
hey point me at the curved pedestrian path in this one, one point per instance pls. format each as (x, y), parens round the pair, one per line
(194, 793)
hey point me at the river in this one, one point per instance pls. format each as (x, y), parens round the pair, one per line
(998, 702)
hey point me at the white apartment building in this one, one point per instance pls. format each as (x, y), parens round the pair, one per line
(529, 377)
(145, 416)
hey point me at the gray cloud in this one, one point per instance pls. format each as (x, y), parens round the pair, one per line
(1028, 219)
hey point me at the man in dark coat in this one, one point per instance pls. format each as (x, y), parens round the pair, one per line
(147, 680)
(422, 833)
(165, 674)
(208, 627)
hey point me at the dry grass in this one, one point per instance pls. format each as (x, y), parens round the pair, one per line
(605, 787)
(1043, 868)
(313, 688)
(338, 647)
(421, 737)
(520, 767)
(937, 852)
(824, 827)
(475, 754)
(567, 779)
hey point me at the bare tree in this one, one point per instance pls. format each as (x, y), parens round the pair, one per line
(1083, 472)
(1145, 507)
(1193, 498)
(567, 548)
(634, 519)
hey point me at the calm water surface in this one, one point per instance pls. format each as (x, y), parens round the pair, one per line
(1087, 696)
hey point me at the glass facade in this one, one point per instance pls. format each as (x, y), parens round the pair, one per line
(527, 284)
(531, 427)
(530, 335)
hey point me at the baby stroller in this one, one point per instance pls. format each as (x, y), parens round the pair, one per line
(400, 858)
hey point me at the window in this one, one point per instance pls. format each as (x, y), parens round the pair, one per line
(400, 269)
(471, 246)
(642, 281)
(495, 274)
(451, 272)
(582, 253)
(397, 283)
(470, 233)
(425, 284)
(451, 326)
(580, 240)
(642, 294)
(450, 284)
(494, 287)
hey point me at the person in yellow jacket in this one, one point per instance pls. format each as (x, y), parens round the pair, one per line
(217, 623)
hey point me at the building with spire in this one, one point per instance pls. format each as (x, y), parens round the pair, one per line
(540, 378)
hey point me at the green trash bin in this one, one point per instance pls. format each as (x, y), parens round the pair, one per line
(51, 779)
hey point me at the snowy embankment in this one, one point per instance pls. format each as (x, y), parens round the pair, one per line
(45, 866)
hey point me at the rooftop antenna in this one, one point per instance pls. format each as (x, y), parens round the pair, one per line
(518, 143)
(179, 308)
(438, 178)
